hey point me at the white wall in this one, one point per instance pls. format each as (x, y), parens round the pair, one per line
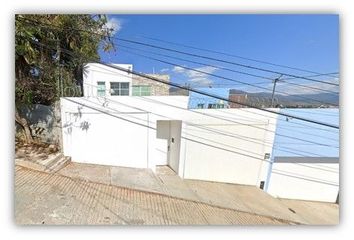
(224, 151)
(95, 72)
(225, 145)
(109, 138)
(306, 170)
(305, 181)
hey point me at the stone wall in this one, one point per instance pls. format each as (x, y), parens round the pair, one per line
(44, 121)
(157, 88)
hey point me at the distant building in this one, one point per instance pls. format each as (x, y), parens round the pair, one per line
(237, 96)
(219, 104)
(147, 87)
(174, 91)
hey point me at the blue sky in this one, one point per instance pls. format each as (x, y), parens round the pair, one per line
(304, 41)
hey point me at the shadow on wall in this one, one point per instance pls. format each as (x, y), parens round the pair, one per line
(44, 121)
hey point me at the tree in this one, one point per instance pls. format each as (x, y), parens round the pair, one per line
(40, 61)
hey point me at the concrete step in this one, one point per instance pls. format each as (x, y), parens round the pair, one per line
(30, 165)
(59, 164)
(51, 164)
(52, 161)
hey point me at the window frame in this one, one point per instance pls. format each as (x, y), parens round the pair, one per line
(139, 91)
(120, 89)
(101, 88)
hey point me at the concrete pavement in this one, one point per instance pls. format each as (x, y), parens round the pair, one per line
(42, 198)
(238, 197)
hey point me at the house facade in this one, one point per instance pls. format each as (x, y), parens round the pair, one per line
(100, 80)
(104, 81)
(222, 145)
(142, 127)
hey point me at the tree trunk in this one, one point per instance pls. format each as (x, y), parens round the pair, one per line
(23, 123)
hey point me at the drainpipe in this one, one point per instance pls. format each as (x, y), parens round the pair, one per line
(269, 173)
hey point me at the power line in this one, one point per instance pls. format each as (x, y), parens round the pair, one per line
(258, 101)
(191, 54)
(238, 56)
(282, 135)
(317, 75)
(232, 70)
(303, 86)
(226, 78)
(294, 123)
(225, 61)
(221, 98)
(198, 91)
(228, 119)
(184, 137)
(228, 134)
(233, 121)
(128, 71)
(279, 119)
(133, 73)
(215, 85)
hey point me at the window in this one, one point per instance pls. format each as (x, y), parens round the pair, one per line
(216, 105)
(200, 105)
(101, 89)
(220, 105)
(119, 88)
(141, 90)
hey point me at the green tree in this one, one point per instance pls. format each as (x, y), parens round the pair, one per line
(40, 60)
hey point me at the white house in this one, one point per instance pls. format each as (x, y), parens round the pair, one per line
(101, 80)
(234, 145)
(223, 145)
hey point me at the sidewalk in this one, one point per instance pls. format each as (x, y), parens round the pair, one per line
(53, 199)
(238, 197)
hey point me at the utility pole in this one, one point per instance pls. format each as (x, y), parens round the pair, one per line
(274, 84)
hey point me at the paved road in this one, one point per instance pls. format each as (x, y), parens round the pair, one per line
(42, 198)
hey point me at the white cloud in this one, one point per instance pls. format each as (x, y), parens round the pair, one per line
(201, 81)
(198, 76)
(164, 70)
(178, 69)
(115, 24)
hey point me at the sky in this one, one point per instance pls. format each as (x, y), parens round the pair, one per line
(310, 42)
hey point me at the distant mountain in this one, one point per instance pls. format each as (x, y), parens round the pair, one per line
(319, 99)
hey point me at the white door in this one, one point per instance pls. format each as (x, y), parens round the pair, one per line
(161, 143)
(174, 144)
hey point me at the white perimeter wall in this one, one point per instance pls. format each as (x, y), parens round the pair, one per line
(224, 145)
(303, 170)
(305, 181)
(229, 147)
